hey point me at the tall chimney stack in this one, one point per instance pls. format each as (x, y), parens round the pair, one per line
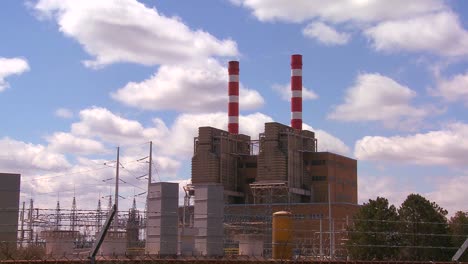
(296, 91)
(233, 108)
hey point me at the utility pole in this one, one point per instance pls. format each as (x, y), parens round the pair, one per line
(99, 215)
(22, 225)
(330, 222)
(150, 163)
(30, 221)
(57, 216)
(150, 176)
(116, 222)
(73, 212)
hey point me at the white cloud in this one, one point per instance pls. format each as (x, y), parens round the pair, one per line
(447, 191)
(338, 10)
(67, 143)
(176, 140)
(450, 193)
(19, 156)
(375, 97)
(11, 66)
(399, 25)
(200, 87)
(447, 147)
(284, 90)
(167, 166)
(453, 89)
(325, 34)
(64, 113)
(128, 31)
(102, 123)
(440, 33)
(371, 187)
(328, 142)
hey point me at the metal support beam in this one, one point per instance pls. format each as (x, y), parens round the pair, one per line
(102, 235)
(460, 251)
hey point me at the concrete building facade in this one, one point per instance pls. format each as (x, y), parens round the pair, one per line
(9, 206)
(162, 224)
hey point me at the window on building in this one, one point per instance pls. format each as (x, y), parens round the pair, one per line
(319, 178)
(318, 162)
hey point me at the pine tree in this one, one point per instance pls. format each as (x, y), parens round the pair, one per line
(458, 225)
(373, 235)
(424, 230)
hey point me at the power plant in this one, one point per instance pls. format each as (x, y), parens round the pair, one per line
(288, 173)
(274, 196)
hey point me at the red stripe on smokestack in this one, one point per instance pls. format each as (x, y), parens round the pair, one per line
(296, 91)
(233, 92)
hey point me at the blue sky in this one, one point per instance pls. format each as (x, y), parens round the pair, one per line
(387, 84)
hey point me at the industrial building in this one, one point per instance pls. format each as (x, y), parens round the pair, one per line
(237, 184)
(287, 168)
(9, 206)
(287, 172)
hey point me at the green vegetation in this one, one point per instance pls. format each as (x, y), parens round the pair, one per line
(418, 230)
(458, 226)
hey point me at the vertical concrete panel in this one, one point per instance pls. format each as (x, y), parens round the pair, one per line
(209, 216)
(114, 244)
(187, 241)
(162, 224)
(9, 207)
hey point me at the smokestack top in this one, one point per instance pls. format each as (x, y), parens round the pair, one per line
(296, 91)
(233, 93)
(296, 61)
(233, 68)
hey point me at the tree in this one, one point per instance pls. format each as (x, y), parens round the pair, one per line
(373, 235)
(424, 230)
(458, 225)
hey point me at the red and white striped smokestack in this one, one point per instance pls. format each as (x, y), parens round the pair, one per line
(233, 108)
(296, 91)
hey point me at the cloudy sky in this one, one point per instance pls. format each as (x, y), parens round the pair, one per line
(386, 82)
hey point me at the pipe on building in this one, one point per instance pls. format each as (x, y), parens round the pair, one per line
(296, 91)
(233, 91)
(282, 239)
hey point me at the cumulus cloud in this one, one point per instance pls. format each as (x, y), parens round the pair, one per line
(337, 10)
(325, 34)
(446, 191)
(453, 89)
(18, 155)
(450, 193)
(107, 126)
(284, 90)
(440, 33)
(11, 66)
(375, 97)
(67, 143)
(412, 26)
(64, 113)
(447, 147)
(371, 187)
(176, 139)
(200, 87)
(328, 142)
(128, 31)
